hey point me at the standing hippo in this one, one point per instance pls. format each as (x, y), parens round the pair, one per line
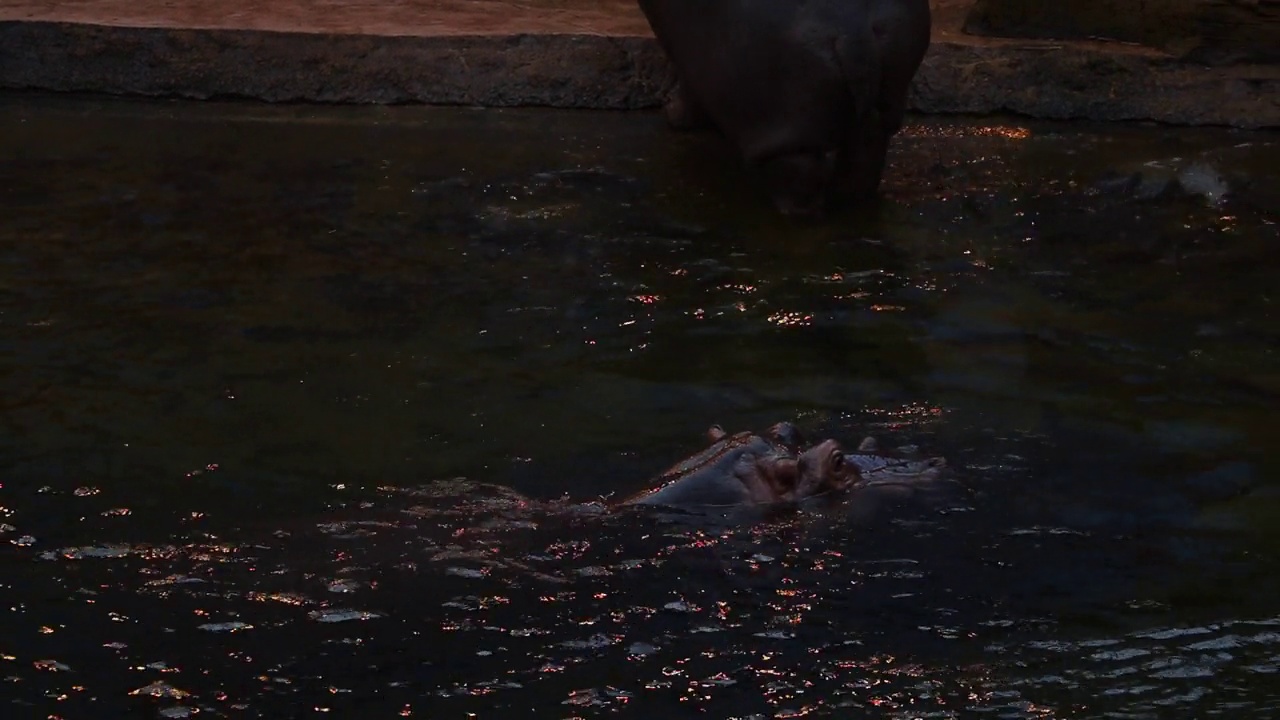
(810, 91)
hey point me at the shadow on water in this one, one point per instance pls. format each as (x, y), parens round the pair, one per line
(302, 409)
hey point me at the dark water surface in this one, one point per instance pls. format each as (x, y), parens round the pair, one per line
(298, 402)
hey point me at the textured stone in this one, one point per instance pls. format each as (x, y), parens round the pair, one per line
(556, 53)
(1094, 82)
(1215, 31)
(571, 71)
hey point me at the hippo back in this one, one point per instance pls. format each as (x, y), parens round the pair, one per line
(708, 478)
(881, 469)
(893, 488)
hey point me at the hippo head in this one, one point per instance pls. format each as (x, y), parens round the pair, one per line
(799, 182)
(775, 479)
(823, 468)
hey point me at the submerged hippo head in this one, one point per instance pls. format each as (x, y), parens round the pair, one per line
(800, 182)
(823, 468)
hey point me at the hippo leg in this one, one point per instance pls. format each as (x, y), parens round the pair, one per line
(868, 146)
(683, 112)
(866, 166)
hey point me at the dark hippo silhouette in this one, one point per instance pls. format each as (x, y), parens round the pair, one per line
(810, 91)
(749, 469)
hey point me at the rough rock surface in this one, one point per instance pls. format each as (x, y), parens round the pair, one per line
(556, 53)
(1211, 31)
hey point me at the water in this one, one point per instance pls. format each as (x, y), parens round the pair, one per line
(300, 406)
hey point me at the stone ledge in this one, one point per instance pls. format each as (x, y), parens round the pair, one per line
(1088, 81)
(1061, 80)
(566, 71)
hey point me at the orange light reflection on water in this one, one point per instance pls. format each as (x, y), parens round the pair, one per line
(912, 414)
(1009, 132)
(790, 319)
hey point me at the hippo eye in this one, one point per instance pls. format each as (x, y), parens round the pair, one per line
(837, 461)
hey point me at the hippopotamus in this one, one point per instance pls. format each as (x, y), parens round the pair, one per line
(754, 469)
(745, 468)
(810, 91)
(885, 486)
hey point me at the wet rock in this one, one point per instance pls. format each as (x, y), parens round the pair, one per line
(600, 70)
(1117, 183)
(1167, 179)
(1204, 180)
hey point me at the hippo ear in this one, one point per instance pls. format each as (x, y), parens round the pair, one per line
(716, 433)
(868, 445)
(787, 434)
